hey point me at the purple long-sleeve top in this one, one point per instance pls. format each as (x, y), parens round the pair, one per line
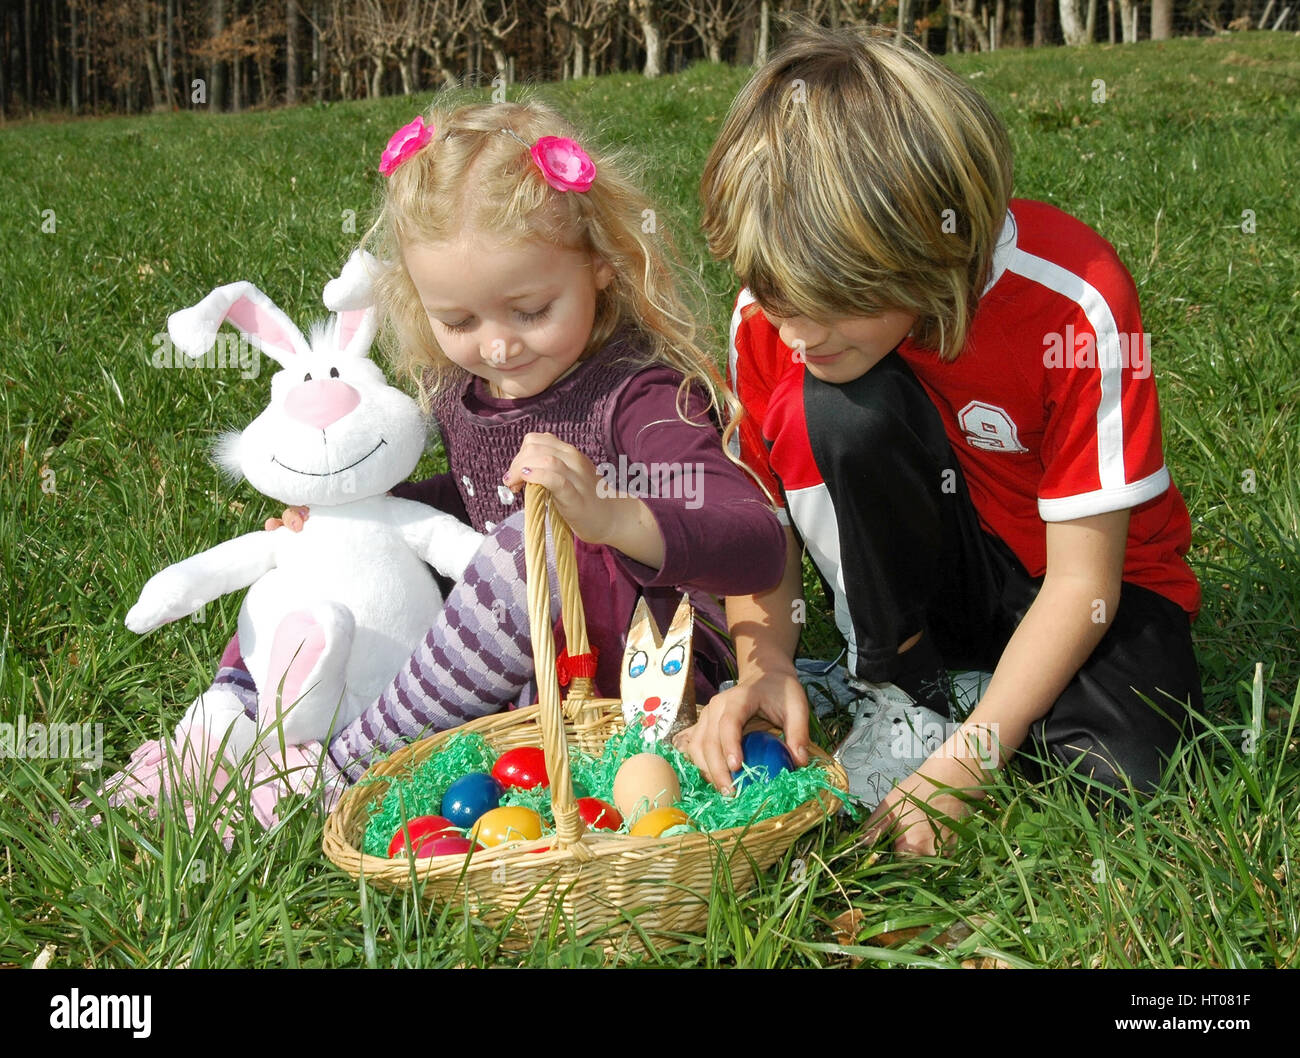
(720, 535)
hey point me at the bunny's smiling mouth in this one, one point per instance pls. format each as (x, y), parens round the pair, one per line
(330, 473)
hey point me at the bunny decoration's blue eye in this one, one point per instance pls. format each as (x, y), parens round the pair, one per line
(674, 660)
(637, 664)
(334, 372)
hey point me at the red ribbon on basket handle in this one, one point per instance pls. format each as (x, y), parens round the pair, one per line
(567, 667)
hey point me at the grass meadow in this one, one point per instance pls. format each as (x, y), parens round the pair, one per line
(1187, 165)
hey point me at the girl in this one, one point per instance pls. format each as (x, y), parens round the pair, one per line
(544, 328)
(1020, 519)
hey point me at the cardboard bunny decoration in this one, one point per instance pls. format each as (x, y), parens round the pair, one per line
(333, 611)
(657, 688)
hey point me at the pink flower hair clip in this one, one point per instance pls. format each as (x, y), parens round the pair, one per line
(406, 142)
(564, 164)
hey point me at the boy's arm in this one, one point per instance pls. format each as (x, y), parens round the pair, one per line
(765, 635)
(1064, 624)
(1073, 610)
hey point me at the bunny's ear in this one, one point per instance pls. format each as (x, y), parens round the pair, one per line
(355, 331)
(352, 296)
(261, 321)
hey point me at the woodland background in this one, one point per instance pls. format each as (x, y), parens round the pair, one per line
(132, 56)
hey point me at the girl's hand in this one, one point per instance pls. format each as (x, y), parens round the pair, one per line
(620, 522)
(958, 764)
(543, 459)
(293, 517)
(713, 743)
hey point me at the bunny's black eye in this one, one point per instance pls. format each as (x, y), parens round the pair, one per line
(307, 377)
(334, 372)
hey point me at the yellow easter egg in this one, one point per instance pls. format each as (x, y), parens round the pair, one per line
(508, 823)
(655, 822)
(645, 781)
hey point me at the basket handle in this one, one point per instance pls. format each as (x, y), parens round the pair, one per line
(569, 827)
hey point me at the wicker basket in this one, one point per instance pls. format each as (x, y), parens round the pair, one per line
(588, 880)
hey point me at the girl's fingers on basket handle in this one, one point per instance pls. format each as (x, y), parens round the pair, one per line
(535, 451)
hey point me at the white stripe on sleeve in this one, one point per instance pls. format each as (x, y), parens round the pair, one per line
(1110, 421)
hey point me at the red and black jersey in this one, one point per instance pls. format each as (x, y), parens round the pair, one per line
(1051, 409)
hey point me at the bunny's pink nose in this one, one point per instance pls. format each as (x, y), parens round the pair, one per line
(321, 401)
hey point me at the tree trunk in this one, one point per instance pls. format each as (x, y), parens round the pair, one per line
(291, 51)
(169, 55)
(904, 18)
(150, 56)
(1073, 26)
(764, 32)
(977, 27)
(1091, 29)
(1042, 23)
(501, 61)
(999, 23)
(27, 52)
(654, 47)
(1162, 19)
(92, 82)
(74, 93)
(1129, 18)
(216, 74)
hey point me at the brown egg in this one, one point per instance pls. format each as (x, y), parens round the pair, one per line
(644, 782)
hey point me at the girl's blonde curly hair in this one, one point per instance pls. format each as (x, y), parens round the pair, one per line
(476, 175)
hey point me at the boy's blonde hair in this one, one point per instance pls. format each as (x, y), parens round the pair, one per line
(475, 174)
(854, 175)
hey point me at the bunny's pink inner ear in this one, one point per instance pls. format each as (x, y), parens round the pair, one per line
(351, 321)
(258, 322)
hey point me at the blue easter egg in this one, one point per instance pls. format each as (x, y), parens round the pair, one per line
(765, 753)
(469, 797)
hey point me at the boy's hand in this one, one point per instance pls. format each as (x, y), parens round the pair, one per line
(955, 764)
(293, 517)
(713, 743)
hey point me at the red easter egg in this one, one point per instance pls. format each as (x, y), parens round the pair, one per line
(599, 814)
(450, 847)
(424, 830)
(523, 767)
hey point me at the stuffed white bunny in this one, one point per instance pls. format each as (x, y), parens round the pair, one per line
(332, 611)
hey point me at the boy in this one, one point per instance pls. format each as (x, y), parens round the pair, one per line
(950, 390)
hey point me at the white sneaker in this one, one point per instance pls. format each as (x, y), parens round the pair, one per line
(890, 739)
